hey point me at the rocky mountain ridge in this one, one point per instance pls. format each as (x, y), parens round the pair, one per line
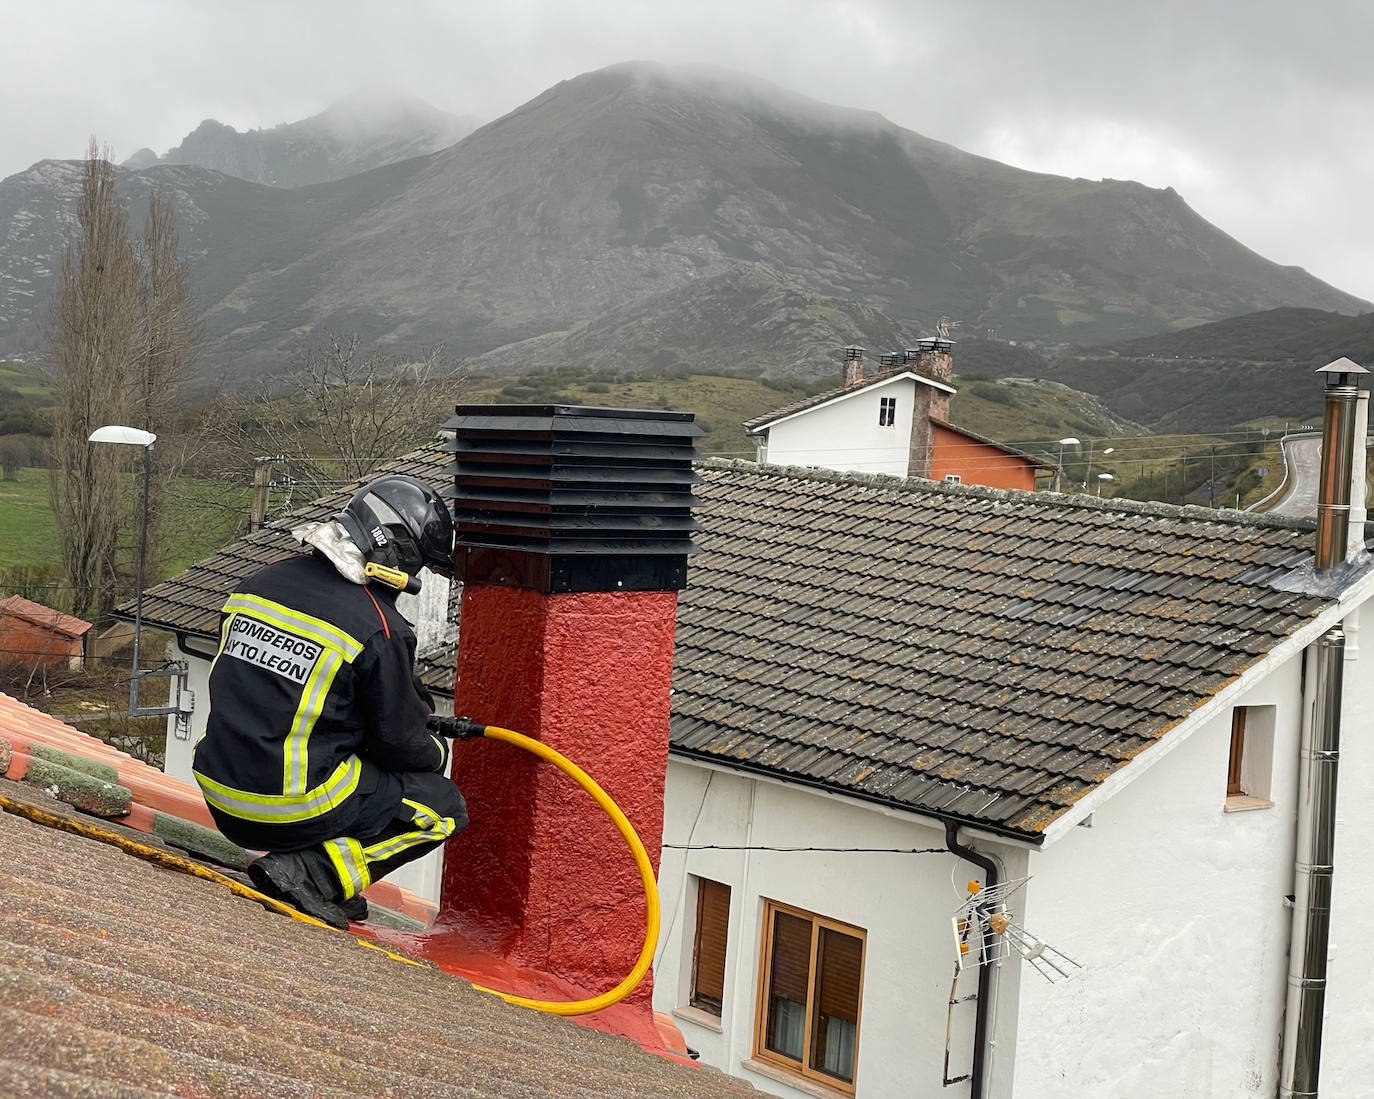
(669, 218)
(354, 135)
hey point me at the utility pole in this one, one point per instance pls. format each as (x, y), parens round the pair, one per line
(1212, 481)
(262, 481)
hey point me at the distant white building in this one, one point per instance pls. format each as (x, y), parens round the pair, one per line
(895, 422)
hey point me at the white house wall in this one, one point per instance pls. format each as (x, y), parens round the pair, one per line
(1175, 909)
(845, 435)
(903, 901)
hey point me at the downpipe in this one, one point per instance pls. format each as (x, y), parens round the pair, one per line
(983, 1003)
(1320, 755)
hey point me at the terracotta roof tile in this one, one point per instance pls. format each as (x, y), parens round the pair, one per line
(120, 978)
(17, 606)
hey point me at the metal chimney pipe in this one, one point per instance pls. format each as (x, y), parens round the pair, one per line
(1319, 755)
(1302, 1023)
(1338, 450)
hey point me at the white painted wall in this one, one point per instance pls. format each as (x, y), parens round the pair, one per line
(903, 901)
(1175, 909)
(845, 435)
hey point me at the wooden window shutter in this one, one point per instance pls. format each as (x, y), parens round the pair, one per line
(708, 955)
(838, 973)
(790, 972)
(1233, 785)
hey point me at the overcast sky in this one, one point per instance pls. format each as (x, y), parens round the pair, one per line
(1258, 112)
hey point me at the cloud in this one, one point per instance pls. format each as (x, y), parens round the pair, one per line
(1255, 113)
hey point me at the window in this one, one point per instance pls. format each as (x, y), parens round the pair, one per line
(1249, 765)
(811, 986)
(953, 478)
(708, 951)
(887, 411)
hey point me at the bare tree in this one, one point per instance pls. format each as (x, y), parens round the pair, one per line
(165, 344)
(340, 412)
(90, 335)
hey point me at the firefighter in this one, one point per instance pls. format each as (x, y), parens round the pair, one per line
(316, 750)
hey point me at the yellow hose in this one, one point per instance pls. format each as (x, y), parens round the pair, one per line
(646, 875)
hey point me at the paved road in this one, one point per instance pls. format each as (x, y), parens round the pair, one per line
(1304, 475)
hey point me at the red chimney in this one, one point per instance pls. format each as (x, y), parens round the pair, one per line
(574, 528)
(933, 358)
(853, 366)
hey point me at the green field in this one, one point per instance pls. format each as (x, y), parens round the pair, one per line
(204, 515)
(25, 379)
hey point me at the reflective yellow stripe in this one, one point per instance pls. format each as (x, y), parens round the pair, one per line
(433, 828)
(349, 863)
(225, 623)
(295, 750)
(284, 808)
(317, 629)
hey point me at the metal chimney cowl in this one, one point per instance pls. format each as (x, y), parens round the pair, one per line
(1337, 461)
(564, 498)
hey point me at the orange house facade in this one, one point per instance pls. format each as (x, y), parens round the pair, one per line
(974, 460)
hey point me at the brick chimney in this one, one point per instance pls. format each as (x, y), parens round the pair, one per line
(931, 358)
(853, 367)
(574, 526)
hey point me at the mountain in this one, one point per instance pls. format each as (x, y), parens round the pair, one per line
(355, 135)
(670, 216)
(749, 319)
(1210, 378)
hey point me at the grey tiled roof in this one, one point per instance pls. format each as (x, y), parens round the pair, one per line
(983, 654)
(980, 654)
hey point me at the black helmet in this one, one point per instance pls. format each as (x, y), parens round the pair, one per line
(400, 522)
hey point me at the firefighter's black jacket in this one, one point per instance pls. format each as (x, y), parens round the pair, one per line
(312, 688)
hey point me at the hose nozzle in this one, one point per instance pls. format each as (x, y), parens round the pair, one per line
(454, 728)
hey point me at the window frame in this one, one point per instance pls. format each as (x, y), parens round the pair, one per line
(1250, 759)
(887, 411)
(801, 1068)
(1235, 787)
(696, 999)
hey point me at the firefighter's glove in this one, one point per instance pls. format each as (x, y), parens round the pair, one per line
(454, 728)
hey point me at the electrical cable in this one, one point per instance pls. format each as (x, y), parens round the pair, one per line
(692, 831)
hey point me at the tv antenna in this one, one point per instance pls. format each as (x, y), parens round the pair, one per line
(946, 324)
(985, 931)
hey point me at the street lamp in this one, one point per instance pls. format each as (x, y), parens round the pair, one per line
(1087, 474)
(1103, 477)
(1059, 468)
(132, 436)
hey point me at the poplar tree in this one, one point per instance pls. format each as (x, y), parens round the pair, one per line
(122, 333)
(91, 330)
(165, 343)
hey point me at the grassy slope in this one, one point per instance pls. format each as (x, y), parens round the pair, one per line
(201, 512)
(26, 379)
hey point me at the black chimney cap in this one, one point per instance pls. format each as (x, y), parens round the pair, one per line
(572, 498)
